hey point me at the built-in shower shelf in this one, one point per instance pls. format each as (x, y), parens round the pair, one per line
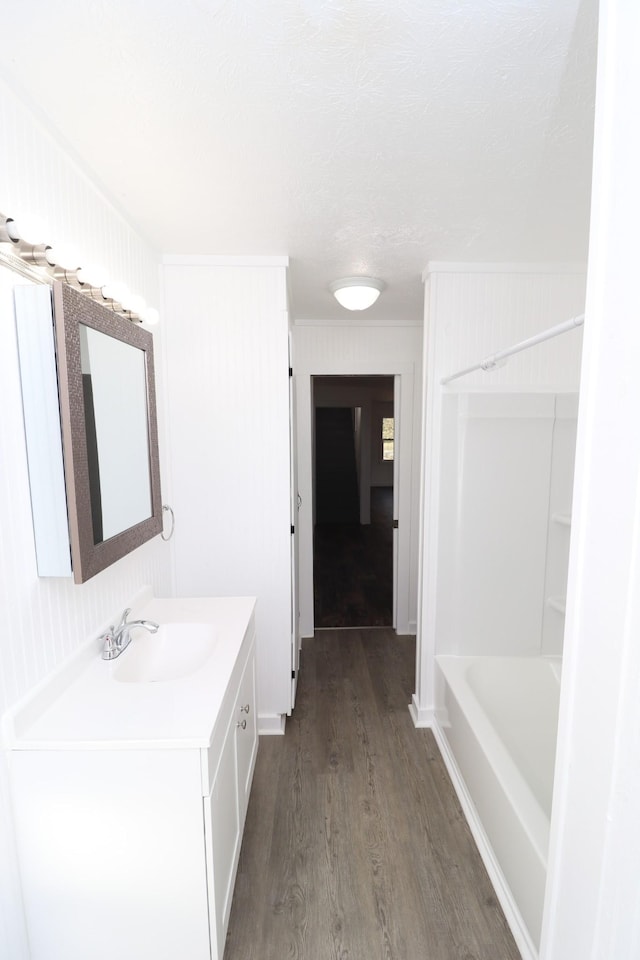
(564, 519)
(558, 604)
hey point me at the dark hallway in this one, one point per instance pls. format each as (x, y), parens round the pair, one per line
(337, 497)
(353, 568)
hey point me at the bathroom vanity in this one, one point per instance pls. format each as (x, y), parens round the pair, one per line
(130, 783)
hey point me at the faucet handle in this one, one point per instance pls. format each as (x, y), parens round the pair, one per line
(110, 646)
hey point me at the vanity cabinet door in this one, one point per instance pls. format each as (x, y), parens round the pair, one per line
(223, 834)
(226, 805)
(111, 854)
(246, 735)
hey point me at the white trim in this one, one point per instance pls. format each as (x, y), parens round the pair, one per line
(421, 716)
(405, 416)
(450, 266)
(213, 260)
(397, 457)
(358, 321)
(496, 876)
(271, 724)
(346, 368)
(592, 905)
(504, 388)
(429, 506)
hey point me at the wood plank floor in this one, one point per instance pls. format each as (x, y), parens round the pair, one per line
(355, 846)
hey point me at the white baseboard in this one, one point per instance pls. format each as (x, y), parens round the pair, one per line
(512, 914)
(421, 716)
(270, 725)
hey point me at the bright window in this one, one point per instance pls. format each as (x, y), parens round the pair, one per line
(387, 438)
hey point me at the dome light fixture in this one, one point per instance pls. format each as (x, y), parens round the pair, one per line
(357, 293)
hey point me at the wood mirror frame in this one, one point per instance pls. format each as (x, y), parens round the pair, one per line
(71, 309)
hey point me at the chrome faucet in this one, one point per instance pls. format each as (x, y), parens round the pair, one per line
(117, 639)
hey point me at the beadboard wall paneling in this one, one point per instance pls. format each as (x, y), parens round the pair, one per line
(469, 314)
(44, 620)
(326, 349)
(39, 178)
(228, 414)
(478, 314)
(354, 344)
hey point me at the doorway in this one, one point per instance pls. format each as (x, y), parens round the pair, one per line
(353, 543)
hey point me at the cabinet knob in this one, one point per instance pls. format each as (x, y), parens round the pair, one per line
(242, 723)
(244, 709)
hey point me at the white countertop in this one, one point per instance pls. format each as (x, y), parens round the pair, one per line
(82, 706)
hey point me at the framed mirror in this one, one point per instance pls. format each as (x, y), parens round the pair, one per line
(106, 385)
(89, 404)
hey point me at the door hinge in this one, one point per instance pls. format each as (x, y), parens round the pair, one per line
(290, 371)
(395, 524)
(293, 674)
(293, 529)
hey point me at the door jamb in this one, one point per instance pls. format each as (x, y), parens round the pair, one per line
(404, 414)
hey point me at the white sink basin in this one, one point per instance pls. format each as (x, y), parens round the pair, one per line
(177, 650)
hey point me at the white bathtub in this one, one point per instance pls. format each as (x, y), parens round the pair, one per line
(499, 719)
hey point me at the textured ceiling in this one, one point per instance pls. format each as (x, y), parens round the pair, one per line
(356, 136)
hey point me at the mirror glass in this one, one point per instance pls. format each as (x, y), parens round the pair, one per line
(114, 388)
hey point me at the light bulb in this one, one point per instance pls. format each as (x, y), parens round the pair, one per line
(93, 275)
(8, 230)
(150, 316)
(137, 304)
(29, 229)
(128, 301)
(116, 291)
(65, 256)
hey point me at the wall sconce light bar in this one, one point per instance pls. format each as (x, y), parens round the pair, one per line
(63, 262)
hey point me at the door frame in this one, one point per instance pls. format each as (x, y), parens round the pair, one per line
(294, 506)
(404, 417)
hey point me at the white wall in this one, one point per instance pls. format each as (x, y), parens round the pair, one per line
(471, 311)
(43, 621)
(227, 366)
(506, 471)
(324, 349)
(491, 594)
(593, 892)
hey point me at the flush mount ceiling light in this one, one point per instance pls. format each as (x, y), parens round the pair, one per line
(357, 293)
